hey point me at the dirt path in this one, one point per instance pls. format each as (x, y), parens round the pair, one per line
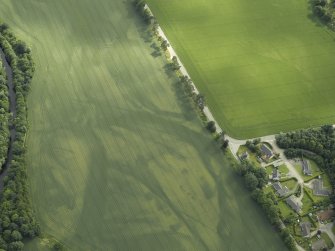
(12, 109)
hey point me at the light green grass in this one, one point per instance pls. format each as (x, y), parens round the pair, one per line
(315, 198)
(327, 239)
(285, 209)
(252, 156)
(307, 203)
(264, 66)
(283, 169)
(269, 169)
(326, 181)
(290, 184)
(118, 159)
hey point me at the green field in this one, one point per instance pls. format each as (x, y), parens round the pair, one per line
(118, 160)
(264, 66)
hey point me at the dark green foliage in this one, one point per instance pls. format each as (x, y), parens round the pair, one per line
(145, 12)
(200, 100)
(16, 216)
(175, 64)
(187, 84)
(225, 144)
(250, 181)
(255, 179)
(325, 10)
(58, 246)
(253, 146)
(211, 126)
(316, 144)
(4, 117)
(164, 45)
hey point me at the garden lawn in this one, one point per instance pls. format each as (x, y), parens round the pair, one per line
(251, 156)
(291, 184)
(117, 157)
(264, 66)
(283, 169)
(307, 202)
(327, 239)
(315, 198)
(285, 209)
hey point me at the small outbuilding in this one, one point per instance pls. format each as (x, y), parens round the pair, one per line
(306, 168)
(294, 203)
(282, 191)
(244, 156)
(266, 152)
(275, 174)
(305, 229)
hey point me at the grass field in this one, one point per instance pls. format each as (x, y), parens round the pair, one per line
(118, 160)
(264, 66)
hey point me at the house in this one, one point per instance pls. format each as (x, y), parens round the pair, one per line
(275, 174)
(282, 191)
(266, 152)
(305, 229)
(319, 245)
(306, 169)
(318, 188)
(294, 203)
(326, 215)
(244, 156)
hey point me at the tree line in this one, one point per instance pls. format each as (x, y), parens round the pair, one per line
(4, 117)
(255, 179)
(17, 221)
(317, 144)
(325, 10)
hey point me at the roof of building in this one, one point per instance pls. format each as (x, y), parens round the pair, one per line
(266, 151)
(319, 244)
(306, 168)
(305, 229)
(293, 203)
(318, 188)
(275, 174)
(244, 155)
(326, 215)
(282, 191)
(277, 186)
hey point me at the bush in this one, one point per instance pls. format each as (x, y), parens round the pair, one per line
(211, 126)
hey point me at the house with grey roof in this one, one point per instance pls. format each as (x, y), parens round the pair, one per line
(282, 191)
(294, 203)
(275, 174)
(319, 245)
(306, 168)
(266, 151)
(318, 188)
(244, 156)
(305, 229)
